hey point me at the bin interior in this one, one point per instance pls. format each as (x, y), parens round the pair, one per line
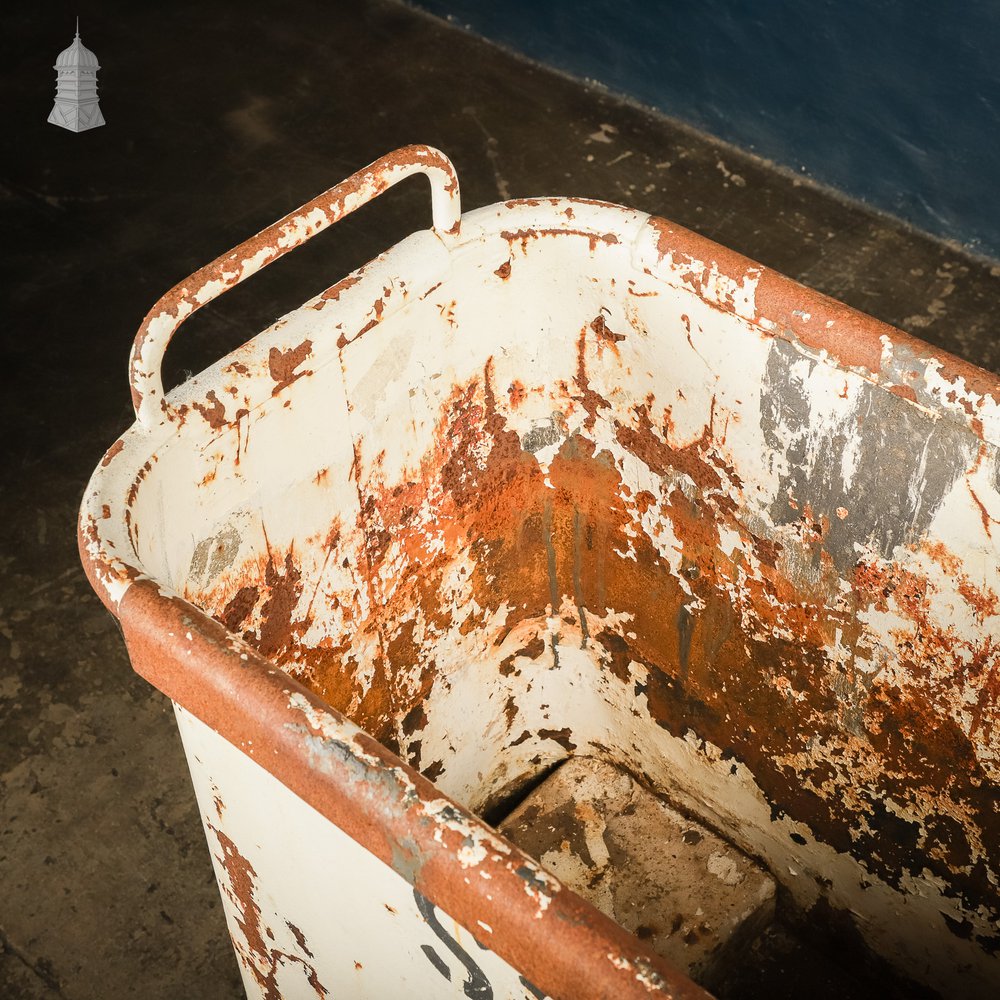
(554, 504)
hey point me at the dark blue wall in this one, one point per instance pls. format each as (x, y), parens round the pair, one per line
(893, 102)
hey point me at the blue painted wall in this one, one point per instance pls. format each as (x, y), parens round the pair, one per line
(893, 102)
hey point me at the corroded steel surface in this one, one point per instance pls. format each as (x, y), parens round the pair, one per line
(577, 480)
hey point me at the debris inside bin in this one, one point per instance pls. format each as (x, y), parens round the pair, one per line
(695, 898)
(675, 883)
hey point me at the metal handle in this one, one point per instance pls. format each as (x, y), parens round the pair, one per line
(266, 247)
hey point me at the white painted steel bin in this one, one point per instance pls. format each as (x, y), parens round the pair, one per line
(556, 477)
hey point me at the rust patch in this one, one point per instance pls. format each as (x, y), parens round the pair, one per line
(749, 673)
(256, 955)
(110, 454)
(239, 608)
(215, 413)
(904, 392)
(605, 335)
(284, 590)
(282, 364)
(591, 401)
(532, 651)
(523, 236)
(561, 736)
(984, 515)
(516, 393)
(333, 293)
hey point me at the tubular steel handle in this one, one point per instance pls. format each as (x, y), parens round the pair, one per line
(266, 247)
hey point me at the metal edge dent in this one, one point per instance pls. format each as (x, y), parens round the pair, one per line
(387, 807)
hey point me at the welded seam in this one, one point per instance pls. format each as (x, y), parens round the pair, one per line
(374, 597)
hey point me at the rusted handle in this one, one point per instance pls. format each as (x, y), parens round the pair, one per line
(266, 247)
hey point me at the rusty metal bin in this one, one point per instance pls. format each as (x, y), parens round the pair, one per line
(556, 477)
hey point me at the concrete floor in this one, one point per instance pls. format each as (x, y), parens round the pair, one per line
(220, 121)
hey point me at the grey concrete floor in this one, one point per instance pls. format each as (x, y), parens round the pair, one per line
(221, 118)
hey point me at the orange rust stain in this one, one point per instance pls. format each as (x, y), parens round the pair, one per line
(133, 490)
(215, 413)
(240, 607)
(111, 452)
(983, 601)
(590, 400)
(605, 335)
(516, 393)
(282, 364)
(333, 293)
(904, 392)
(983, 512)
(261, 959)
(522, 236)
(877, 582)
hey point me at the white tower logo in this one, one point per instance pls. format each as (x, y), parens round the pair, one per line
(76, 106)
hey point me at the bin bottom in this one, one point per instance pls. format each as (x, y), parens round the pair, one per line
(699, 901)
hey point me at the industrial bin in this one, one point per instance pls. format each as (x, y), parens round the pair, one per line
(559, 478)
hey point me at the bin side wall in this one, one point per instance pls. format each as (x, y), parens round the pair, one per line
(311, 912)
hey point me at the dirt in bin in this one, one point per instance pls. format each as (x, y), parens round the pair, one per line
(825, 959)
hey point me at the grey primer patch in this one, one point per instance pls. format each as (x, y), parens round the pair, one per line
(541, 436)
(531, 879)
(213, 555)
(406, 859)
(907, 461)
